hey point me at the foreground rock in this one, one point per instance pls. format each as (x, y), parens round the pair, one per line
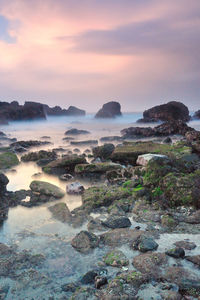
(144, 159)
(116, 258)
(103, 152)
(40, 155)
(172, 111)
(64, 165)
(61, 212)
(109, 110)
(45, 188)
(8, 160)
(120, 236)
(116, 222)
(85, 241)
(98, 168)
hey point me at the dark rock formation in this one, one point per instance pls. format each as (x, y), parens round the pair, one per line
(75, 131)
(58, 111)
(109, 110)
(165, 129)
(172, 111)
(196, 115)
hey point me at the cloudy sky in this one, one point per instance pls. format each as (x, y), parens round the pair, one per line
(87, 52)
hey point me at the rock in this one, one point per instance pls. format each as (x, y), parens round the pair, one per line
(66, 177)
(75, 131)
(144, 159)
(117, 222)
(89, 277)
(120, 236)
(45, 188)
(178, 275)
(185, 245)
(95, 197)
(100, 281)
(76, 150)
(28, 144)
(150, 263)
(103, 152)
(75, 188)
(168, 222)
(63, 165)
(165, 129)
(61, 212)
(145, 243)
(39, 155)
(194, 218)
(196, 115)
(70, 287)
(194, 259)
(116, 258)
(58, 111)
(176, 252)
(84, 241)
(3, 183)
(172, 111)
(190, 287)
(82, 143)
(8, 160)
(13, 111)
(99, 168)
(167, 140)
(74, 111)
(112, 138)
(95, 225)
(109, 110)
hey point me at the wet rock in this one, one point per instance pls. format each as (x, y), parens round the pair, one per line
(169, 222)
(95, 225)
(63, 165)
(66, 177)
(3, 183)
(75, 188)
(120, 236)
(75, 131)
(185, 245)
(8, 160)
(144, 159)
(45, 188)
(194, 218)
(84, 241)
(39, 155)
(76, 150)
(176, 252)
(103, 152)
(116, 258)
(89, 277)
(194, 259)
(109, 110)
(98, 168)
(179, 275)
(61, 212)
(28, 144)
(172, 111)
(100, 281)
(67, 139)
(83, 143)
(190, 287)
(145, 244)
(70, 287)
(150, 263)
(117, 222)
(112, 138)
(167, 140)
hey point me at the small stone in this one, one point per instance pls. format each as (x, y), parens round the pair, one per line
(75, 188)
(100, 281)
(66, 177)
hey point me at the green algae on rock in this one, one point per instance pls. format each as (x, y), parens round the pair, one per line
(45, 188)
(8, 160)
(116, 258)
(42, 154)
(102, 167)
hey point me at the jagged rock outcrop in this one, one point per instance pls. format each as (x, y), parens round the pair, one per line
(109, 110)
(171, 111)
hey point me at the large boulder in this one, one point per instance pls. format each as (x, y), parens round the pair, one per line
(58, 111)
(109, 110)
(74, 111)
(103, 152)
(64, 165)
(47, 189)
(172, 111)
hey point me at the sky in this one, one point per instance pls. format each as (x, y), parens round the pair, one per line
(85, 53)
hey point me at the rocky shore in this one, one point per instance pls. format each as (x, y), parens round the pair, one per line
(143, 196)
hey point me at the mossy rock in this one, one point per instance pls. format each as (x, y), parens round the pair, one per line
(116, 258)
(95, 197)
(64, 165)
(182, 189)
(42, 154)
(8, 160)
(45, 188)
(129, 152)
(97, 168)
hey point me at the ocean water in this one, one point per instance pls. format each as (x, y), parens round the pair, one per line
(34, 228)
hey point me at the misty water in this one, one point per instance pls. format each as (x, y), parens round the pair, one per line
(35, 229)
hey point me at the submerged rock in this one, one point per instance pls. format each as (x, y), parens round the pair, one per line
(84, 241)
(109, 110)
(75, 131)
(61, 212)
(45, 188)
(82, 143)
